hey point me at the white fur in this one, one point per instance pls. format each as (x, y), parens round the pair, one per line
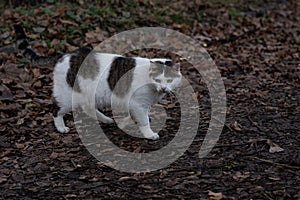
(96, 92)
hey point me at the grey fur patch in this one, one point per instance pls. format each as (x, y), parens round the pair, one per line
(166, 68)
(119, 67)
(170, 72)
(90, 66)
(156, 69)
(88, 69)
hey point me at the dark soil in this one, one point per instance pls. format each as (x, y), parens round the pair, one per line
(256, 48)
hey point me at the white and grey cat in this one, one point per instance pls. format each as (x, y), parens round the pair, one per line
(133, 83)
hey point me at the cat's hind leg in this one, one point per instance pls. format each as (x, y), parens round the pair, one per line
(125, 122)
(58, 114)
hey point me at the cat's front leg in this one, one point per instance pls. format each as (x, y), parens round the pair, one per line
(125, 122)
(60, 125)
(140, 114)
(148, 133)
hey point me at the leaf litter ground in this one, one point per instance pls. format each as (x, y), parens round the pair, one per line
(256, 48)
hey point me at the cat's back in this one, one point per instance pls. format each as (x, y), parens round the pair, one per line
(71, 60)
(104, 61)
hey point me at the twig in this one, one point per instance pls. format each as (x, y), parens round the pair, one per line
(275, 163)
(254, 124)
(230, 129)
(231, 145)
(74, 164)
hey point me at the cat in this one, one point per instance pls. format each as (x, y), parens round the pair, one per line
(134, 84)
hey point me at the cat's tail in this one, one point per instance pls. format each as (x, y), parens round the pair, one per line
(24, 47)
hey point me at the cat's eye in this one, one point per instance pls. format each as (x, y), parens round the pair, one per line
(169, 80)
(157, 80)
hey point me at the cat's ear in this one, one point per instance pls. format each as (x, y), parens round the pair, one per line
(176, 66)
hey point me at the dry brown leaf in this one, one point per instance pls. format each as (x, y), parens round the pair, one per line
(68, 22)
(241, 176)
(274, 148)
(20, 146)
(54, 155)
(3, 179)
(38, 29)
(95, 36)
(236, 126)
(215, 195)
(20, 121)
(71, 48)
(36, 72)
(55, 42)
(195, 96)
(51, 51)
(5, 93)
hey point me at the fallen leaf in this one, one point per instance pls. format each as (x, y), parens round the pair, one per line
(54, 155)
(3, 179)
(241, 176)
(20, 121)
(236, 126)
(5, 93)
(274, 148)
(195, 96)
(274, 178)
(38, 29)
(215, 195)
(71, 47)
(36, 72)
(20, 146)
(68, 22)
(95, 36)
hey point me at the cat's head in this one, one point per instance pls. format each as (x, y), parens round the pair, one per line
(165, 75)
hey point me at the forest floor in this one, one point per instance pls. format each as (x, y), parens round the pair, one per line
(255, 45)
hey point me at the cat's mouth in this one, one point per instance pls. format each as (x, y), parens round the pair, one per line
(164, 90)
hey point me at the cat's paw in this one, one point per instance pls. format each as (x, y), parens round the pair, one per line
(152, 136)
(63, 129)
(60, 125)
(148, 133)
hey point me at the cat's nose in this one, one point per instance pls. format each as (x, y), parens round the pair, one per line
(163, 88)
